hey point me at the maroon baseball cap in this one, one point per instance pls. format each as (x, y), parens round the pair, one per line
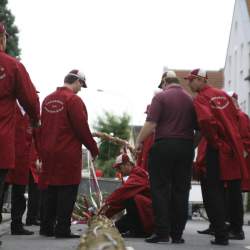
(196, 73)
(121, 159)
(3, 30)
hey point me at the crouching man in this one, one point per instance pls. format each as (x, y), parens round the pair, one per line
(134, 196)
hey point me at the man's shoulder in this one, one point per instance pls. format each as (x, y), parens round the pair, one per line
(8, 60)
(139, 171)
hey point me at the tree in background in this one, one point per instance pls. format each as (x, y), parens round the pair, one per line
(8, 19)
(117, 126)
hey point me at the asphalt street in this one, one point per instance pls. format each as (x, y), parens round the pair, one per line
(193, 241)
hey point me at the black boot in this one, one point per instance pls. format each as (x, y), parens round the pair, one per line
(30, 222)
(178, 241)
(156, 238)
(209, 231)
(21, 231)
(236, 235)
(221, 242)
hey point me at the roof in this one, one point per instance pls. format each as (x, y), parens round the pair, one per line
(215, 78)
(248, 6)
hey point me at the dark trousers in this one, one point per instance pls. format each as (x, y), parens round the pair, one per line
(4, 196)
(43, 204)
(131, 220)
(60, 202)
(33, 206)
(3, 173)
(18, 205)
(213, 192)
(170, 164)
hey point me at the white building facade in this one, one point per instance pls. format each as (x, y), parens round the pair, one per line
(237, 64)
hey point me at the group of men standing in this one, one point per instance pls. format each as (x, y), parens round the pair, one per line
(156, 193)
(58, 134)
(173, 118)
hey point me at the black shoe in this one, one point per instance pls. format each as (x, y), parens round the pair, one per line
(206, 231)
(155, 238)
(67, 236)
(236, 236)
(221, 242)
(46, 233)
(21, 231)
(130, 234)
(178, 241)
(32, 222)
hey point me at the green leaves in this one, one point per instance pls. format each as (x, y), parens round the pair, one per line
(8, 19)
(117, 126)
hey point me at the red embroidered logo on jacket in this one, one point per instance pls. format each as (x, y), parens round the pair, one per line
(219, 102)
(54, 106)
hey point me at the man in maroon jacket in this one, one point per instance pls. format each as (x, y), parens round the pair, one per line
(200, 169)
(64, 130)
(15, 84)
(225, 163)
(19, 176)
(134, 196)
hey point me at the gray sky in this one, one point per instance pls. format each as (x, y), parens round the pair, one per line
(120, 45)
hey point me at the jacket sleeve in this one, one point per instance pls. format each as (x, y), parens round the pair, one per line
(244, 128)
(208, 125)
(26, 93)
(128, 190)
(78, 118)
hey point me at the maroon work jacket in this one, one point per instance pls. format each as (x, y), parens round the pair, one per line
(136, 187)
(142, 159)
(32, 163)
(23, 139)
(199, 167)
(217, 118)
(63, 131)
(244, 126)
(15, 84)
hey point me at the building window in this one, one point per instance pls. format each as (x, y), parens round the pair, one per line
(235, 26)
(241, 53)
(241, 75)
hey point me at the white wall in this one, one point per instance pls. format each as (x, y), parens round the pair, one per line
(237, 64)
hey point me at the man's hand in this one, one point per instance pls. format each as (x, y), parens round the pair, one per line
(35, 124)
(38, 166)
(138, 147)
(245, 154)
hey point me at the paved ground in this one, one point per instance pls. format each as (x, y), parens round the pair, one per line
(193, 240)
